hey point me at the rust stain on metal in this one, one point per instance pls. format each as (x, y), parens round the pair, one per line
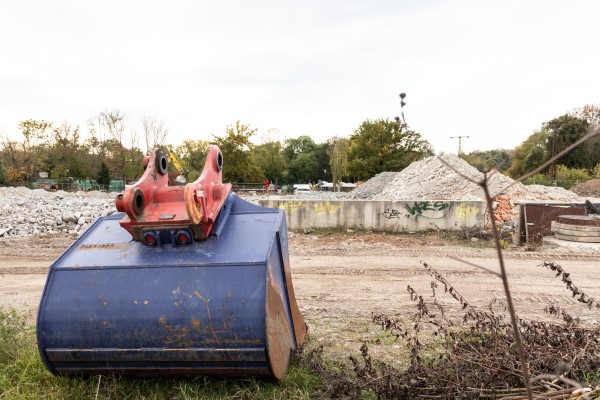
(300, 327)
(200, 296)
(104, 246)
(228, 319)
(178, 337)
(231, 341)
(279, 336)
(206, 302)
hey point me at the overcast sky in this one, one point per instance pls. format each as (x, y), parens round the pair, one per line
(491, 70)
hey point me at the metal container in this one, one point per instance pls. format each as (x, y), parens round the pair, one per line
(222, 306)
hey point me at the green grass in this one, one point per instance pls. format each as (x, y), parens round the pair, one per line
(24, 376)
(592, 377)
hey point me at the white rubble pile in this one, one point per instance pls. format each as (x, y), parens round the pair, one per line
(373, 186)
(26, 212)
(433, 179)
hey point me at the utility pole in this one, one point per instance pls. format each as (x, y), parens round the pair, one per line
(460, 138)
(402, 104)
(553, 166)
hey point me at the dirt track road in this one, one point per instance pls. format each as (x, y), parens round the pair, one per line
(341, 279)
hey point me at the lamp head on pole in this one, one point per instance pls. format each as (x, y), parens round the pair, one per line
(402, 104)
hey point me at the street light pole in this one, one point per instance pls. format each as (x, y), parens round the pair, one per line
(402, 104)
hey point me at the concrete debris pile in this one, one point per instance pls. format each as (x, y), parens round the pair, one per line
(373, 186)
(25, 212)
(433, 179)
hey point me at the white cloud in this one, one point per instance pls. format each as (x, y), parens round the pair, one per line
(491, 70)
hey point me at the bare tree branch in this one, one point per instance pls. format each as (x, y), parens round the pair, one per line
(489, 271)
(155, 132)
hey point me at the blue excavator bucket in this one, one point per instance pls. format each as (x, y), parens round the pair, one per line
(220, 306)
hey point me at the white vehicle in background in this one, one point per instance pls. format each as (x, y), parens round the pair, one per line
(300, 188)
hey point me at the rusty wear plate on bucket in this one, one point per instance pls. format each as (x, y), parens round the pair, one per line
(223, 306)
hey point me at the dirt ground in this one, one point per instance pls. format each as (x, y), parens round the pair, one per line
(340, 279)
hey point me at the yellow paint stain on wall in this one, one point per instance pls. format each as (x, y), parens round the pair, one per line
(291, 205)
(326, 207)
(466, 211)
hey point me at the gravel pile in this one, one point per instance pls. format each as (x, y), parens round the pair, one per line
(373, 186)
(427, 179)
(432, 179)
(25, 212)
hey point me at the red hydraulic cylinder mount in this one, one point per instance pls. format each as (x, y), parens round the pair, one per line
(151, 204)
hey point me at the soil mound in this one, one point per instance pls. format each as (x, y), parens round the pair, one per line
(587, 189)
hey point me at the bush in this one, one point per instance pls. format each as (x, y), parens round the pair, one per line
(2, 173)
(473, 356)
(596, 171)
(565, 177)
(571, 174)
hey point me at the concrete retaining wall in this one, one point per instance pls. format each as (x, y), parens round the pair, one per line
(384, 216)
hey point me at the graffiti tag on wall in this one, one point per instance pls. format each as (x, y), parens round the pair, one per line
(419, 207)
(392, 213)
(425, 209)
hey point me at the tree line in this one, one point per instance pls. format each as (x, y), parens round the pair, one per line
(59, 150)
(375, 146)
(580, 164)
